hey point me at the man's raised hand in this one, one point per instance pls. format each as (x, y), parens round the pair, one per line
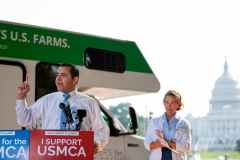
(23, 88)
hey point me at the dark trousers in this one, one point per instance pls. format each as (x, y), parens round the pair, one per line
(166, 154)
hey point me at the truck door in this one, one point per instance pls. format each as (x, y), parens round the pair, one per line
(12, 74)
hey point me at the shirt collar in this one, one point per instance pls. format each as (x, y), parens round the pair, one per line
(72, 94)
(175, 117)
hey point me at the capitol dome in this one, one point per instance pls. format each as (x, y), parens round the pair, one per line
(219, 129)
(226, 79)
(226, 92)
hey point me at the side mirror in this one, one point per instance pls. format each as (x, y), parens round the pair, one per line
(133, 120)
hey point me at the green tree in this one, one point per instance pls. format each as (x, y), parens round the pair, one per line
(238, 145)
(121, 112)
(141, 126)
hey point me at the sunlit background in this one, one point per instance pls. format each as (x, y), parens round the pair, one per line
(185, 42)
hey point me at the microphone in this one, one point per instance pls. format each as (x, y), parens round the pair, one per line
(62, 106)
(81, 113)
(67, 112)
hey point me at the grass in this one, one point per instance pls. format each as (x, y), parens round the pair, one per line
(215, 154)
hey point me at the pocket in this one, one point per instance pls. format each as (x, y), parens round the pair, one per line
(180, 131)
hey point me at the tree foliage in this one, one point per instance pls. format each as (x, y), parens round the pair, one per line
(121, 112)
(238, 145)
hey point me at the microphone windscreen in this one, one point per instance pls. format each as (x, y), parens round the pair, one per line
(81, 113)
(61, 105)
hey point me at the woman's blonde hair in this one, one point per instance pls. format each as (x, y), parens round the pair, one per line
(177, 96)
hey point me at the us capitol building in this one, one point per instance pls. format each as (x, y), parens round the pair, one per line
(220, 128)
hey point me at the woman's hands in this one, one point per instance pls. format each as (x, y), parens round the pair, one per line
(160, 134)
(157, 144)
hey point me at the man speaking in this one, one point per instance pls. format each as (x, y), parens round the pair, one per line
(52, 110)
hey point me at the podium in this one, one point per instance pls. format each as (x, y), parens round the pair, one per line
(46, 145)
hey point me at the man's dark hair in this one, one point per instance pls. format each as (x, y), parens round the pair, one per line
(72, 68)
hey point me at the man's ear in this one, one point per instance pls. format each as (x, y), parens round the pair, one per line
(75, 80)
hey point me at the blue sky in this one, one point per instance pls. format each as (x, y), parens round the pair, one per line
(185, 42)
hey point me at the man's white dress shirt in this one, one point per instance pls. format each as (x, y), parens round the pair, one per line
(46, 111)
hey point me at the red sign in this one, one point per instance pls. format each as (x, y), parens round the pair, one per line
(61, 145)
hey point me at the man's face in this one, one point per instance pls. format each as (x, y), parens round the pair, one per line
(64, 81)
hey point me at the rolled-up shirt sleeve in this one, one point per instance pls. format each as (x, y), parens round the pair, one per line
(99, 126)
(26, 117)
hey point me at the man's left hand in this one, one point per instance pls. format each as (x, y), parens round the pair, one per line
(95, 148)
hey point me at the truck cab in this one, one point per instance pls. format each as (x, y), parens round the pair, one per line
(122, 144)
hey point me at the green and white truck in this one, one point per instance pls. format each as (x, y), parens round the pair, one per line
(109, 68)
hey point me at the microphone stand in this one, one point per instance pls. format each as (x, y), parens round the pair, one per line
(79, 124)
(81, 113)
(67, 124)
